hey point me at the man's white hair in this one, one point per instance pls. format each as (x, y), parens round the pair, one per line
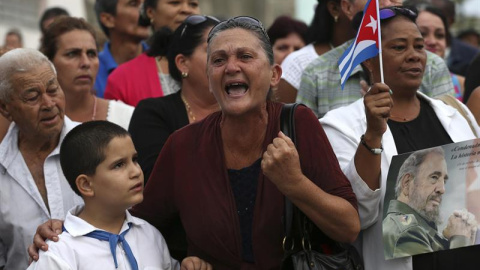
(412, 164)
(17, 61)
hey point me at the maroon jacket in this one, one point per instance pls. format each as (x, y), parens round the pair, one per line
(190, 180)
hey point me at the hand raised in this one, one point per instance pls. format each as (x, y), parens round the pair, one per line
(281, 163)
(378, 104)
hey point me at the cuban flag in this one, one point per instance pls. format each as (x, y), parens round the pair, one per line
(366, 44)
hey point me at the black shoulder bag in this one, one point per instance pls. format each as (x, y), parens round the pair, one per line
(305, 246)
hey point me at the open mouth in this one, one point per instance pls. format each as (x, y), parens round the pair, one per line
(236, 89)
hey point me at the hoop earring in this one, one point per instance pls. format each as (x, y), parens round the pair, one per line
(184, 75)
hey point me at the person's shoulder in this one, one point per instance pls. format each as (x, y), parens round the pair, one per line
(334, 54)
(434, 60)
(68, 124)
(352, 115)
(134, 65)
(329, 59)
(65, 244)
(117, 105)
(203, 129)
(147, 230)
(400, 223)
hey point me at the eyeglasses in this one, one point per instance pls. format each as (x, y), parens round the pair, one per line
(193, 20)
(247, 20)
(390, 12)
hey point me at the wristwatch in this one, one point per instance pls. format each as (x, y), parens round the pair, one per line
(375, 151)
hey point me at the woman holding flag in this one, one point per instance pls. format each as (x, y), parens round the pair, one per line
(392, 118)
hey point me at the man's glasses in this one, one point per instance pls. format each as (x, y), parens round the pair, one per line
(193, 20)
(390, 12)
(247, 20)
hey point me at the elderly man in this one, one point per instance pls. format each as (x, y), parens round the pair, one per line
(33, 188)
(410, 226)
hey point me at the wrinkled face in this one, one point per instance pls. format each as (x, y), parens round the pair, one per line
(118, 180)
(403, 50)
(197, 63)
(433, 31)
(172, 13)
(285, 46)
(239, 72)
(37, 104)
(126, 19)
(76, 61)
(429, 186)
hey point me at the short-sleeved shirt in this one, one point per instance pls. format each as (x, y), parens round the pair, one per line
(74, 250)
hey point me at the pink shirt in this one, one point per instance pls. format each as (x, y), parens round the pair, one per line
(134, 80)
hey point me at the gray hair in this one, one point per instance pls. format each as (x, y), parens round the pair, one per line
(412, 164)
(249, 24)
(16, 61)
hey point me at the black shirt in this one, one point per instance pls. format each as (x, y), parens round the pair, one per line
(425, 131)
(244, 188)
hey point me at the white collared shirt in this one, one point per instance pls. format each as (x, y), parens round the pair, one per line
(22, 208)
(76, 251)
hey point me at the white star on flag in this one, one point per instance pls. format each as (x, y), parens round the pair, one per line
(372, 24)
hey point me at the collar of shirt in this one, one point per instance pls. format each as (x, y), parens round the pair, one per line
(79, 227)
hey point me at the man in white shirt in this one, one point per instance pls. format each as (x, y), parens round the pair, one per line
(33, 187)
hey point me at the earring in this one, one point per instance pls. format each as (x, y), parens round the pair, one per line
(184, 75)
(335, 18)
(152, 21)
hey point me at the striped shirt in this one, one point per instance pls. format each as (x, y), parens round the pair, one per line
(320, 84)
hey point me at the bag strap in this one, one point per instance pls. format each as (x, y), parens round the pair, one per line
(452, 101)
(287, 126)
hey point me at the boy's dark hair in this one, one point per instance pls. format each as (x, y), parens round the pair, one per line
(83, 148)
(51, 13)
(107, 6)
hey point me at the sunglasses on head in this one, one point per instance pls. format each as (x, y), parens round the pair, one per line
(390, 12)
(193, 20)
(243, 20)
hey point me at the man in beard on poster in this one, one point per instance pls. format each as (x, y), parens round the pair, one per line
(411, 224)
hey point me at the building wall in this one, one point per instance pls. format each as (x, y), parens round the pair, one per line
(25, 15)
(266, 10)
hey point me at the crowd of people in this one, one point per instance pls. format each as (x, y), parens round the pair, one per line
(162, 147)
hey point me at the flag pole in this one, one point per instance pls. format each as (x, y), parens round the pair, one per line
(380, 58)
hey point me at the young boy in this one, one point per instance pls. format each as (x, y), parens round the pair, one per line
(99, 161)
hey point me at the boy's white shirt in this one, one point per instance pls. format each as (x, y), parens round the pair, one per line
(76, 251)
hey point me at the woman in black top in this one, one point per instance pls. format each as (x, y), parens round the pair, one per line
(154, 119)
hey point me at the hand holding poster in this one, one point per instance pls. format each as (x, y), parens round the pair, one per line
(431, 203)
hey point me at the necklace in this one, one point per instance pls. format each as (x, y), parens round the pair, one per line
(189, 109)
(94, 107)
(404, 119)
